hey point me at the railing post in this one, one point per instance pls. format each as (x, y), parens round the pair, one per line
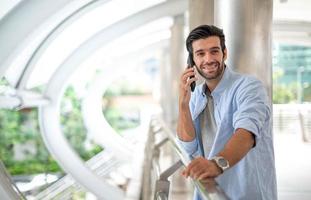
(163, 184)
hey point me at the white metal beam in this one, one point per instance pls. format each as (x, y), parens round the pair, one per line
(22, 99)
(7, 191)
(98, 127)
(49, 115)
(26, 25)
(54, 33)
(292, 26)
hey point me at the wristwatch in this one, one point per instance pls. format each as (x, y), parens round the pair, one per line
(221, 162)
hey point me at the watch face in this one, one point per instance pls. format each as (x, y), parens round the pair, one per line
(222, 162)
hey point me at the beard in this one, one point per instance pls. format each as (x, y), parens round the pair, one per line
(214, 72)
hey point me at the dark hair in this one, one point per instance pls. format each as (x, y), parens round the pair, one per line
(202, 32)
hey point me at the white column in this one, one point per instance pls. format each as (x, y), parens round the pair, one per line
(200, 12)
(165, 81)
(177, 65)
(247, 26)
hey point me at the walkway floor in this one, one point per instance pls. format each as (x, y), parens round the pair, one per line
(293, 164)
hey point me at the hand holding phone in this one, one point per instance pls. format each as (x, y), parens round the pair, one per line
(190, 63)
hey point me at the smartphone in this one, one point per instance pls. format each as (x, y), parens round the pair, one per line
(190, 63)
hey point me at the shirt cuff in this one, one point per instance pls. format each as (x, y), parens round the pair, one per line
(190, 147)
(248, 125)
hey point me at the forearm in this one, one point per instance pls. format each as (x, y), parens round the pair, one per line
(185, 128)
(238, 146)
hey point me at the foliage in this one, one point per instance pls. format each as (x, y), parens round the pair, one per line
(283, 93)
(19, 127)
(124, 87)
(33, 166)
(117, 120)
(307, 93)
(72, 124)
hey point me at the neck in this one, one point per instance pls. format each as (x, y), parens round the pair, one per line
(212, 84)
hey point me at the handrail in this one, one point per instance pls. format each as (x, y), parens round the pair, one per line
(102, 163)
(213, 191)
(11, 187)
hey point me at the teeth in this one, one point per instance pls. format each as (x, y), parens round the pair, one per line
(210, 67)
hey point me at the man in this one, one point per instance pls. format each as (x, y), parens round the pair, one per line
(225, 124)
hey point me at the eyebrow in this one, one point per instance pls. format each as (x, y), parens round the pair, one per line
(212, 48)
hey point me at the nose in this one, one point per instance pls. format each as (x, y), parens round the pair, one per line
(208, 58)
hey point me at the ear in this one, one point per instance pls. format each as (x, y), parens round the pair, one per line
(225, 54)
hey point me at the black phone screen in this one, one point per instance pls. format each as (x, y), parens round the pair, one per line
(190, 63)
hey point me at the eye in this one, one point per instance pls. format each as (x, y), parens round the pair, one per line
(214, 52)
(200, 54)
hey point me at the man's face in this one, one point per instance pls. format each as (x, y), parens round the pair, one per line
(208, 57)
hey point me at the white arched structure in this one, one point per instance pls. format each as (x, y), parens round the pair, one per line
(20, 39)
(23, 43)
(91, 106)
(96, 124)
(49, 115)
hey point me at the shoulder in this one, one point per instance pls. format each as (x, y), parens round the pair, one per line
(248, 86)
(247, 82)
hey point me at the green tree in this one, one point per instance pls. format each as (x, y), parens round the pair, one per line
(19, 127)
(72, 124)
(282, 93)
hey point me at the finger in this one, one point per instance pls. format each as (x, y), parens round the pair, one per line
(195, 161)
(189, 68)
(208, 181)
(191, 80)
(204, 176)
(199, 168)
(195, 170)
(186, 76)
(187, 71)
(185, 172)
(190, 167)
(198, 171)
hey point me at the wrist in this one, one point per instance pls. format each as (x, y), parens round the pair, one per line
(221, 163)
(218, 170)
(184, 107)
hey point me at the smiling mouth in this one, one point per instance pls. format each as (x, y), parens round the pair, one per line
(210, 67)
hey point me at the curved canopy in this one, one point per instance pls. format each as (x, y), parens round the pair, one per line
(44, 42)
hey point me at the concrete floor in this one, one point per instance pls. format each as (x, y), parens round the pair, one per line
(293, 164)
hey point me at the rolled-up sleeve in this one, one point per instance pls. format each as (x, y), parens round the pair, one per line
(190, 147)
(253, 108)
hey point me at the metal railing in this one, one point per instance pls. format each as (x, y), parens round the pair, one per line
(293, 119)
(159, 188)
(8, 185)
(102, 163)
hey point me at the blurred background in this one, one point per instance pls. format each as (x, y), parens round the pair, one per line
(80, 81)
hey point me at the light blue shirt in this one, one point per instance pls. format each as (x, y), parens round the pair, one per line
(240, 101)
